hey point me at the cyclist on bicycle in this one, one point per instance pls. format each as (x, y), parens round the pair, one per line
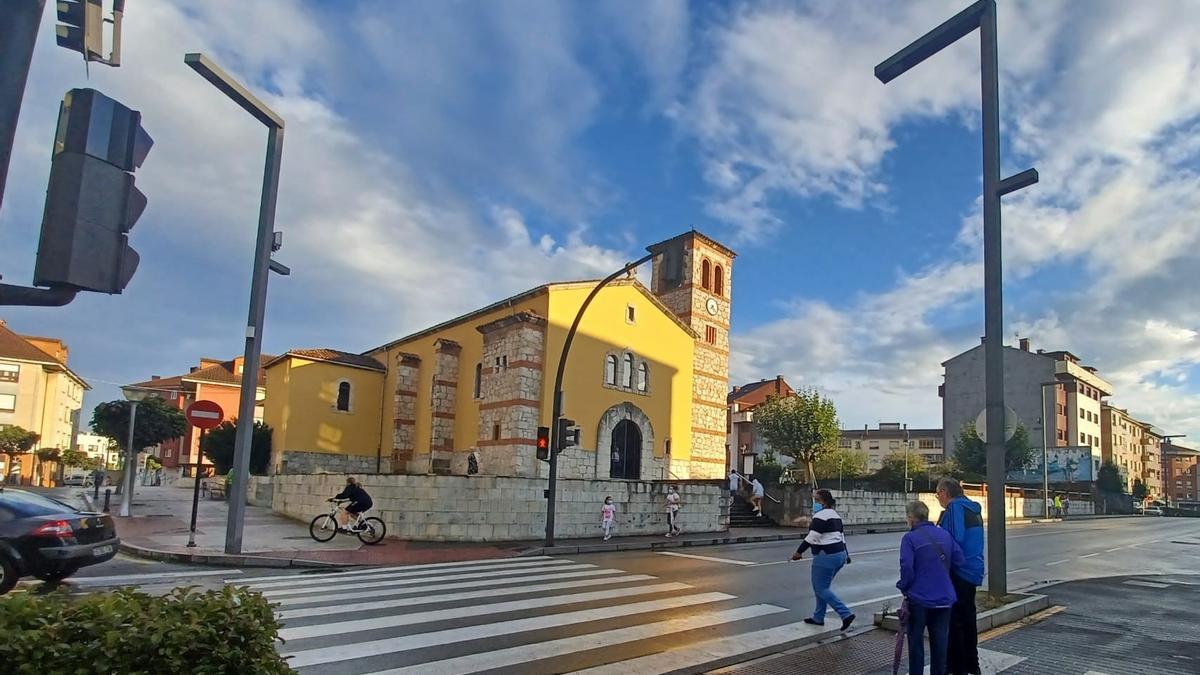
(360, 501)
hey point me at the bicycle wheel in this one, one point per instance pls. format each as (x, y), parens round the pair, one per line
(373, 531)
(323, 527)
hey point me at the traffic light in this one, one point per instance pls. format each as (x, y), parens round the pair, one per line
(568, 434)
(543, 443)
(91, 201)
(81, 27)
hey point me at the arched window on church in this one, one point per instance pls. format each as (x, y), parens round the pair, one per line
(610, 369)
(705, 272)
(718, 281)
(627, 371)
(643, 376)
(343, 398)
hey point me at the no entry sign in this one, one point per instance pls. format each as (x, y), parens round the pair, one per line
(204, 414)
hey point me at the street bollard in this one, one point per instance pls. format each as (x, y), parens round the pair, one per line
(107, 496)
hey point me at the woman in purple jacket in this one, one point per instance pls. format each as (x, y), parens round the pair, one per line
(926, 555)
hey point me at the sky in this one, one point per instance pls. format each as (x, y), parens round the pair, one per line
(440, 155)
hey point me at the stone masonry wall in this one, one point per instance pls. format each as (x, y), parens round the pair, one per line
(442, 407)
(510, 406)
(502, 508)
(404, 416)
(299, 462)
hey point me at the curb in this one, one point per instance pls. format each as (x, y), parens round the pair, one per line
(225, 560)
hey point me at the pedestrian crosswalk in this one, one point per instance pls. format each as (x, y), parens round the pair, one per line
(530, 615)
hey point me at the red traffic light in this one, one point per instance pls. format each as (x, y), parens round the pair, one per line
(543, 443)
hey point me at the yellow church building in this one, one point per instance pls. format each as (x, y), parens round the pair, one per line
(645, 381)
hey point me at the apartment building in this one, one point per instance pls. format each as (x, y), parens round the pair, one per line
(1072, 396)
(1182, 482)
(892, 438)
(1121, 443)
(743, 442)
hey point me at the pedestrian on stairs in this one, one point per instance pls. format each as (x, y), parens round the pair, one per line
(828, 543)
(757, 491)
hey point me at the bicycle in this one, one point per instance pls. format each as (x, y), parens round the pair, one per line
(325, 527)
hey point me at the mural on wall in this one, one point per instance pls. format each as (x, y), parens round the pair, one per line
(1071, 464)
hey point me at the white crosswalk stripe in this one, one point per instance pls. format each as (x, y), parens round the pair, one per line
(529, 615)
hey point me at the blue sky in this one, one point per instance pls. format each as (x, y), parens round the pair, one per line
(443, 154)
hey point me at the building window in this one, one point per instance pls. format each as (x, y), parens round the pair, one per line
(844, 443)
(710, 335)
(501, 363)
(718, 281)
(643, 376)
(343, 398)
(873, 445)
(893, 445)
(478, 380)
(9, 372)
(495, 432)
(8, 402)
(627, 370)
(1082, 438)
(630, 314)
(705, 273)
(610, 369)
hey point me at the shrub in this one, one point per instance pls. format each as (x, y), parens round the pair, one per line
(205, 633)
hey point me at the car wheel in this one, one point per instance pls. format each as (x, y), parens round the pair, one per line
(8, 575)
(56, 574)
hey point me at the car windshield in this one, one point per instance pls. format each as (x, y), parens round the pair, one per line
(30, 504)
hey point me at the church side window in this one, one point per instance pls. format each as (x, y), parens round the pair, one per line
(343, 397)
(643, 376)
(610, 370)
(478, 380)
(705, 273)
(718, 281)
(627, 371)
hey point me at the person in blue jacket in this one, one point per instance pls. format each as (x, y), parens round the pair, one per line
(963, 520)
(927, 555)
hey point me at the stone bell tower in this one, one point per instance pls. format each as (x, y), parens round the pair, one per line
(692, 276)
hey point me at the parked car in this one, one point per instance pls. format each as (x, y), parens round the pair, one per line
(78, 477)
(48, 539)
(1153, 511)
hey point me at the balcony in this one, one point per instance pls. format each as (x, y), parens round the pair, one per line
(743, 416)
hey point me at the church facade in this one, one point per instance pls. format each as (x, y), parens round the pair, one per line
(645, 382)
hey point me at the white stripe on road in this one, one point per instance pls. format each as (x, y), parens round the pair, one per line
(1019, 569)
(853, 554)
(870, 601)
(122, 579)
(1146, 584)
(512, 656)
(393, 645)
(388, 583)
(364, 575)
(1114, 549)
(331, 595)
(394, 621)
(1056, 562)
(727, 561)
(1092, 555)
(398, 568)
(700, 653)
(454, 597)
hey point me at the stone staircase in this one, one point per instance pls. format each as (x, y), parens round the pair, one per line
(741, 514)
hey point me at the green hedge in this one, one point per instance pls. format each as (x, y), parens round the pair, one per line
(213, 632)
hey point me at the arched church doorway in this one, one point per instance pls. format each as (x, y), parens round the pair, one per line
(626, 449)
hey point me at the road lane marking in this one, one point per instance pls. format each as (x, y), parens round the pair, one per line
(405, 568)
(121, 579)
(1092, 555)
(860, 603)
(455, 597)
(727, 561)
(1114, 549)
(1146, 584)
(333, 594)
(389, 583)
(394, 621)
(394, 645)
(853, 554)
(512, 656)
(1019, 569)
(1056, 562)
(383, 574)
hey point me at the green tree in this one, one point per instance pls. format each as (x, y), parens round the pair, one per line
(803, 426)
(842, 463)
(1109, 479)
(16, 441)
(218, 447)
(892, 472)
(970, 453)
(76, 459)
(1140, 491)
(154, 423)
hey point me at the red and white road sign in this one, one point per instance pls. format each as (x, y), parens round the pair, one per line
(204, 414)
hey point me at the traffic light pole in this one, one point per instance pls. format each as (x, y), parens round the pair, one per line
(258, 287)
(557, 412)
(18, 34)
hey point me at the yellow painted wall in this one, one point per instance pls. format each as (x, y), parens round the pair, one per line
(301, 408)
(466, 423)
(653, 336)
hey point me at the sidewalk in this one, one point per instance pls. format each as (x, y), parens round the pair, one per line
(1145, 625)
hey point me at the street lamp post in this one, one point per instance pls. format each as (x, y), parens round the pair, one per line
(134, 396)
(1046, 449)
(982, 15)
(263, 265)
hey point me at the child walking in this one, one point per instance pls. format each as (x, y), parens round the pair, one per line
(608, 514)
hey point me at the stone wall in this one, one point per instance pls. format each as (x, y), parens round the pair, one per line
(510, 394)
(442, 403)
(297, 462)
(501, 508)
(404, 416)
(259, 490)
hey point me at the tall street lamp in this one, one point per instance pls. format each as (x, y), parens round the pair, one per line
(1046, 446)
(982, 15)
(268, 240)
(134, 395)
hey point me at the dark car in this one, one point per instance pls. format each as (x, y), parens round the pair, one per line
(48, 539)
